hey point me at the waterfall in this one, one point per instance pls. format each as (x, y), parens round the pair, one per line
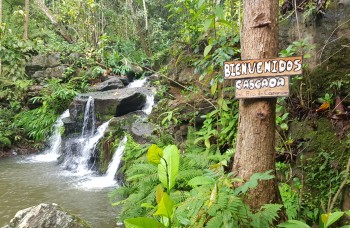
(107, 180)
(137, 83)
(89, 124)
(149, 104)
(79, 150)
(117, 156)
(147, 109)
(76, 154)
(55, 140)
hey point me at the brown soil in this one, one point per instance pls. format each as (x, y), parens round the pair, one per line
(17, 150)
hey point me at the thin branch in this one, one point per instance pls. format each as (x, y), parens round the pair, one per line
(179, 84)
(342, 185)
(331, 36)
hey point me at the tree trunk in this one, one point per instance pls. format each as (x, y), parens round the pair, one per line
(145, 14)
(255, 148)
(26, 20)
(59, 29)
(142, 33)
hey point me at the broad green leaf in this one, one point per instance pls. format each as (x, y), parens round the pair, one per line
(142, 222)
(201, 180)
(346, 226)
(213, 195)
(207, 50)
(224, 22)
(207, 143)
(219, 12)
(168, 168)
(213, 87)
(159, 193)
(333, 217)
(347, 212)
(294, 224)
(207, 24)
(284, 126)
(147, 205)
(222, 104)
(200, 3)
(324, 218)
(154, 154)
(165, 207)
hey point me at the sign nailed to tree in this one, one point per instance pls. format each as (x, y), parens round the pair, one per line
(264, 77)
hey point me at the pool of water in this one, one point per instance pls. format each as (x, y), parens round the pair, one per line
(24, 183)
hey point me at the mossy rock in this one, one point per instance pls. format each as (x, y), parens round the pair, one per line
(335, 70)
(324, 157)
(318, 134)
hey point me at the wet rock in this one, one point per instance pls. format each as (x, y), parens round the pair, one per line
(125, 80)
(45, 215)
(330, 35)
(109, 103)
(49, 73)
(134, 71)
(141, 132)
(71, 126)
(40, 62)
(153, 77)
(111, 83)
(34, 91)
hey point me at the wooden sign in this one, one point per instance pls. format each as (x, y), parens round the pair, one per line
(262, 87)
(263, 67)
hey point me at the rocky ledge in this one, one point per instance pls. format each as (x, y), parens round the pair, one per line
(46, 216)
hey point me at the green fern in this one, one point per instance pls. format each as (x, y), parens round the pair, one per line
(265, 217)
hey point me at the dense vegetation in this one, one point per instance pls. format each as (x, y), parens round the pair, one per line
(96, 38)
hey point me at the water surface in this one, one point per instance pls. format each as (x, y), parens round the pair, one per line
(25, 184)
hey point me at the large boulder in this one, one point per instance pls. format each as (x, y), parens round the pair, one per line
(46, 216)
(107, 104)
(141, 132)
(111, 83)
(49, 73)
(40, 62)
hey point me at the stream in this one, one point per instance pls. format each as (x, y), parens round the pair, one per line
(24, 183)
(27, 181)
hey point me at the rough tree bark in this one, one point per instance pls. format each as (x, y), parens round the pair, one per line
(255, 147)
(26, 20)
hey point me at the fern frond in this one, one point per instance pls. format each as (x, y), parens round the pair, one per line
(266, 215)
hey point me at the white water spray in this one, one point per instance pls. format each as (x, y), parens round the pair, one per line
(53, 151)
(89, 124)
(149, 104)
(108, 179)
(89, 148)
(137, 83)
(79, 151)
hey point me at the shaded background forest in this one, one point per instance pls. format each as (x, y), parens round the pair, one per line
(184, 43)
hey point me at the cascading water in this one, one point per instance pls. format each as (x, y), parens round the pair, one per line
(78, 151)
(53, 151)
(149, 104)
(137, 83)
(89, 124)
(27, 183)
(107, 180)
(147, 109)
(117, 156)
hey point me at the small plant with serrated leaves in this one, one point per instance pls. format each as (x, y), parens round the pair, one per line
(167, 161)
